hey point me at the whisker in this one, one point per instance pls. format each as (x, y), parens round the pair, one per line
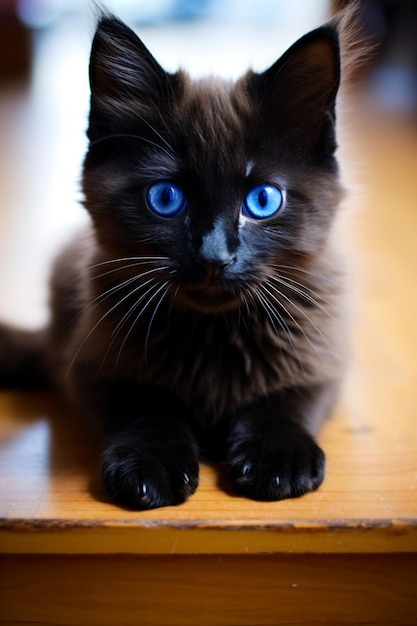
(126, 282)
(138, 316)
(126, 316)
(299, 270)
(154, 283)
(148, 332)
(307, 317)
(103, 296)
(158, 134)
(265, 306)
(248, 311)
(301, 290)
(145, 259)
(283, 324)
(102, 318)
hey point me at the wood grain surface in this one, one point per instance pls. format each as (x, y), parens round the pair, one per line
(203, 591)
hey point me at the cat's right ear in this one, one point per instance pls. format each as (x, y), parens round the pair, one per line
(125, 79)
(297, 94)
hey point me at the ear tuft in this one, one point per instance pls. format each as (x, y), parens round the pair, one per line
(126, 81)
(356, 47)
(297, 94)
(121, 67)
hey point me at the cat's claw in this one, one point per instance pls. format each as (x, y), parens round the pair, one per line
(144, 480)
(271, 471)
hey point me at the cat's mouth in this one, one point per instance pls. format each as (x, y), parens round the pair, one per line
(211, 299)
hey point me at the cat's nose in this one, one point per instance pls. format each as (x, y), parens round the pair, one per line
(213, 253)
(214, 266)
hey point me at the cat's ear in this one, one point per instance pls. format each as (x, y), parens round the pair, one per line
(297, 94)
(125, 79)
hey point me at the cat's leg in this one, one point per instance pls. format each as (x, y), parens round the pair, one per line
(150, 455)
(271, 451)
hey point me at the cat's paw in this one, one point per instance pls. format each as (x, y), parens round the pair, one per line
(146, 478)
(274, 470)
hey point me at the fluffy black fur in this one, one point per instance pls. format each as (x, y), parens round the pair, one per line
(209, 333)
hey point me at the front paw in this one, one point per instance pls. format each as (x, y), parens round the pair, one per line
(142, 477)
(274, 470)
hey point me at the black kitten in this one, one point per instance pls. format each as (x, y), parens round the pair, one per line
(201, 313)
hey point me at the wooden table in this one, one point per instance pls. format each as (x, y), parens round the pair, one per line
(346, 554)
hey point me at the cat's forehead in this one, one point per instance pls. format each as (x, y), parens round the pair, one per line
(210, 119)
(213, 110)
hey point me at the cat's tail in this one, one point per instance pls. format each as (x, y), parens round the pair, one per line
(22, 359)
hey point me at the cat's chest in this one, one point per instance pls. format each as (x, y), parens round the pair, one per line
(217, 365)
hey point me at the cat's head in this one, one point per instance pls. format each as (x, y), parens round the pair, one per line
(222, 185)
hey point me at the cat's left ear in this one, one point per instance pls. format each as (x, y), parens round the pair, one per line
(125, 79)
(297, 95)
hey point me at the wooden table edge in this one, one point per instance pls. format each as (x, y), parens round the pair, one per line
(48, 536)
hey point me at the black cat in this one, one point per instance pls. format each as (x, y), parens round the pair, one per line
(201, 312)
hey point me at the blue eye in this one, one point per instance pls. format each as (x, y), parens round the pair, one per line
(262, 201)
(166, 199)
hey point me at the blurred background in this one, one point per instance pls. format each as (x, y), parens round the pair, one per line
(44, 47)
